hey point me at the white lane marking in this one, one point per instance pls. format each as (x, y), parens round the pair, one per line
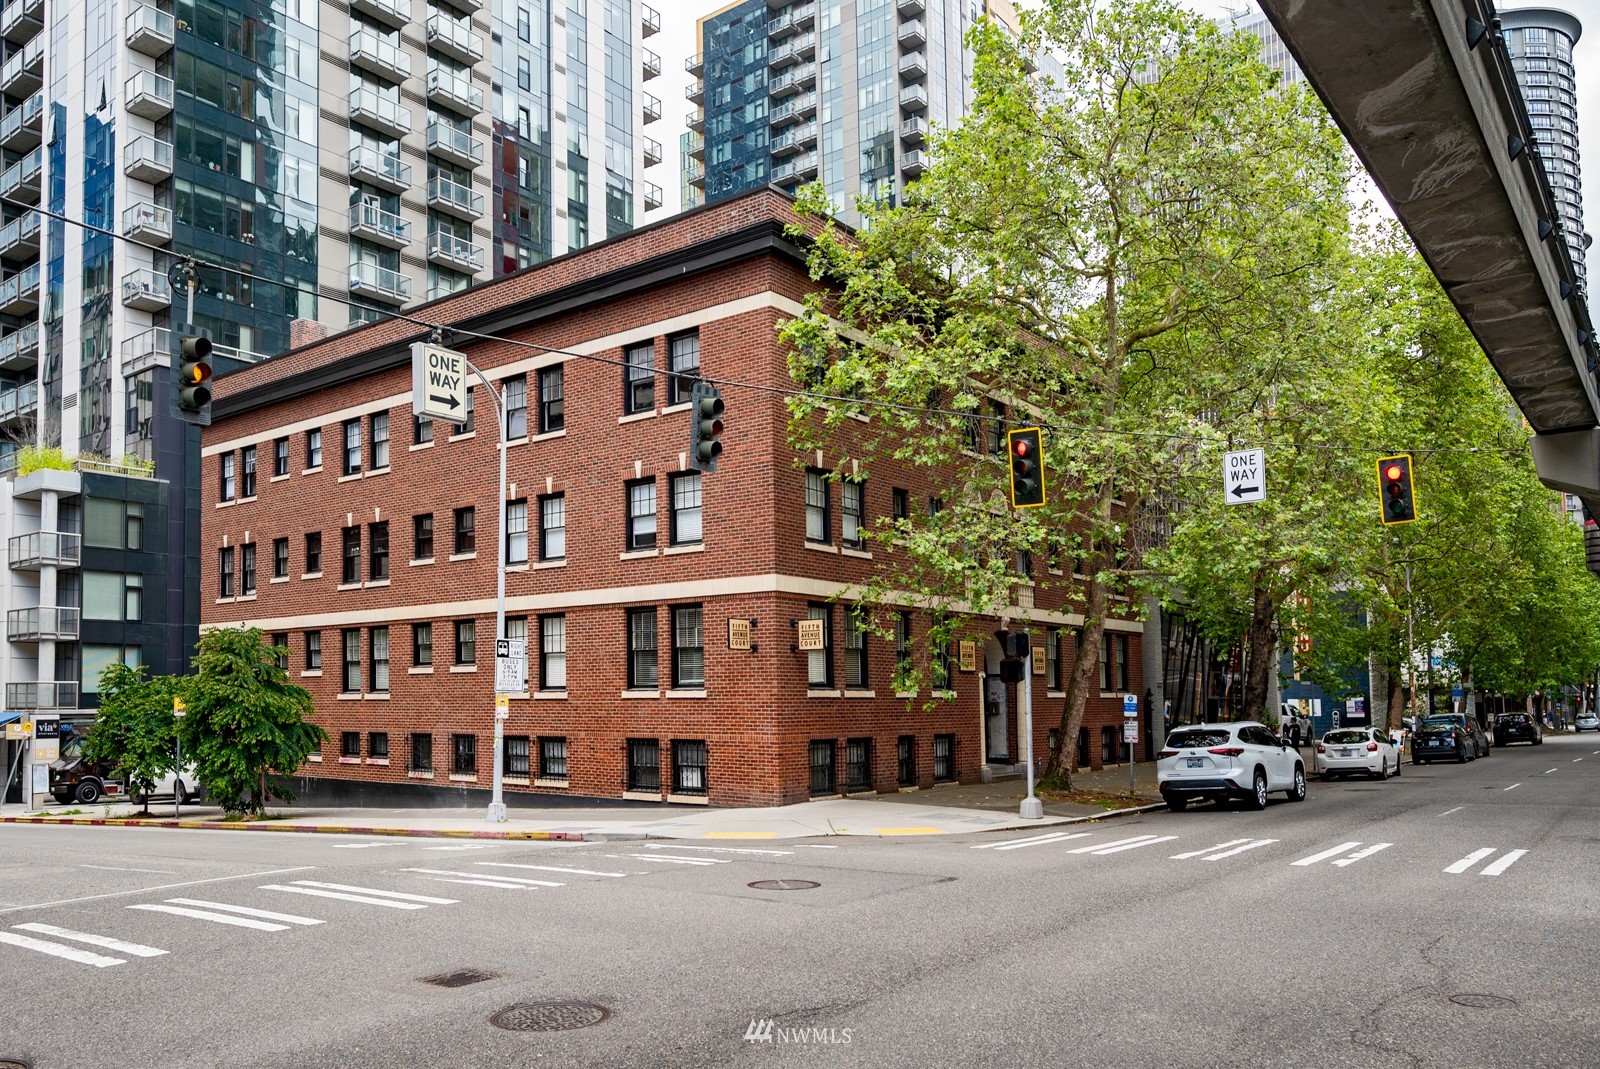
(465, 846)
(1470, 860)
(362, 846)
(1575, 760)
(1324, 855)
(1095, 848)
(166, 872)
(1457, 809)
(1238, 849)
(819, 846)
(669, 859)
(547, 868)
(485, 882)
(1001, 843)
(1547, 771)
(1197, 853)
(1513, 787)
(721, 849)
(362, 899)
(159, 887)
(215, 918)
(1359, 854)
(138, 950)
(487, 876)
(247, 911)
(373, 891)
(1499, 865)
(56, 950)
(1058, 837)
(1134, 846)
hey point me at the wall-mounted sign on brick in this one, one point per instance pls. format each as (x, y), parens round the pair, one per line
(739, 634)
(810, 635)
(969, 655)
(1038, 658)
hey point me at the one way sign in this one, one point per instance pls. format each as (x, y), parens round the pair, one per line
(438, 383)
(1244, 476)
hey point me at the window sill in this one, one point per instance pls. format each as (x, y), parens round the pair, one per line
(517, 441)
(1055, 694)
(463, 668)
(312, 471)
(681, 406)
(456, 777)
(821, 547)
(378, 761)
(673, 551)
(311, 673)
(248, 499)
(224, 504)
(278, 478)
(348, 586)
(376, 696)
(419, 445)
(225, 601)
(463, 437)
(412, 773)
(686, 693)
(311, 575)
(1053, 571)
(641, 694)
(464, 556)
(547, 435)
(245, 597)
(376, 582)
(419, 563)
(642, 796)
(349, 760)
(515, 781)
(860, 694)
(946, 695)
(688, 799)
(824, 693)
(905, 694)
(279, 579)
(864, 554)
(550, 783)
(516, 567)
(424, 670)
(374, 471)
(541, 565)
(314, 758)
(549, 695)
(637, 554)
(349, 696)
(637, 416)
(352, 477)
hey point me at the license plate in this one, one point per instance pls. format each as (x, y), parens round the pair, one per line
(1343, 753)
(1196, 762)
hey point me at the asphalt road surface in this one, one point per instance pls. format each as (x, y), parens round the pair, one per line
(1342, 931)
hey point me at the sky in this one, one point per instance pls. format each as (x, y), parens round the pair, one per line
(677, 42)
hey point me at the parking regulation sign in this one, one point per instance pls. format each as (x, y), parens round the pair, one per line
(510, 655)
(1130, 705)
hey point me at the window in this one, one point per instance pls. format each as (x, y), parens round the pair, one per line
(642, 649)
(313, 651)
(818, 523)
(855, 650)
(247, 480)
(552, 406)
(644, 765)
(350, 744)
(280, 643)
(1122, 661)
(684, 358)
(421, 753)
(466, 531)
(906, 761)
(422, 537)
(133, 529)
(688, 648)
(379, 639)
(553, 527)
(352, 446)
(642, 514)
(902, 644)
(466, 642)
(516, 407)
(380, 440)
(819, 663)
(553, 652)
(314, 448)
(421, 430)
(685, 508)
(902, 504)
(247, 568)
(516, 540)
(280, 558)
(1113, 662)
(1052, 659)
(225, 572)
(1108, 745)
(378, 745)
(996, 426)
(639, 378)
(516, 756)
(935, 506)
(852, 508)
(351, 559)
(280, 457)
(464, 755)
(314, 553)
(378, 566)
(939, 655)
(227, 493)
(352, 661)
(552, 758)
(822, 780)
(421, 644)
(944, 758)
(688, 766)
(468, 420)
(858, 764)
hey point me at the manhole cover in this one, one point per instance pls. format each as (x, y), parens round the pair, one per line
(549, 1016)
(785, 885)
(1484, 1002)
(459, 978)
(12, 1064)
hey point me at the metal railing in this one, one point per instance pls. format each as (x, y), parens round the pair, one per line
(442, 243)
(447, 138)
(51, 695)
(370, 217)
(148, 153)
(448, 191)
(370, 278)
(19, 401)
(42, 621)
(16, 343)
(61, 548)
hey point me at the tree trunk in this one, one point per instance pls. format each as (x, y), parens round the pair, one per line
(1468, 705)
(1261, 645)
(261, 794)
(1064, 758)
(1396, 709)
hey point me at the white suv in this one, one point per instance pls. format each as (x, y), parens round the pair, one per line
(1242, 760)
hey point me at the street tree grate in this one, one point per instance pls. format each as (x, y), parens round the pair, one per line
(785, 885)
(459, 978)
(549, 1016)
(1484, 1002)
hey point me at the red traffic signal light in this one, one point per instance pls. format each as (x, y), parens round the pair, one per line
(1397, 490)
(1027, 474)
(705, 427)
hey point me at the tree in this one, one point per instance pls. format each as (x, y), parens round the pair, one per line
(1046, 263)
(135, 731)
(245, 720)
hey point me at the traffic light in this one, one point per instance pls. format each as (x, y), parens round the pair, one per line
(1027, 468)
(1396, 492)
(194, 372)
(705, 427)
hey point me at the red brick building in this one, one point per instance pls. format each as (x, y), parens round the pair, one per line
(364, 541)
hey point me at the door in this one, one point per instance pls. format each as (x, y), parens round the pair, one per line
(996, 720)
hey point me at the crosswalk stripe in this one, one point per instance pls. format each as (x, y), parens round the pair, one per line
(547, 868)
(484, 882)
(56, 950)
(1046, 837)
(1131, 846)
(1239, 849)
(215, 918)
(1094, 848)
(374, 892)
(1197, 853)
(1498, 866)
(138, 950)
(463, 846)
(1324, 855)
(488, 876)
(1359, 854)
(1059, 837)
(681, 860)
(1470, 860)
(722, 849)
(261, 914)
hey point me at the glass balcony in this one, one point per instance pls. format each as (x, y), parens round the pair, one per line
(375, 55)
(695, 120)
(652, 196)
(456, 199)
(652, 108)
(914, 130)
(19, 350)
(146, 290)
(396, 13)
(19, 294)
(694, 172)
(447, 250)
(52, 695)
(23, 125)
(368, 107)
(42, 622)
(909, 8)
(911, 34)
(23, 73)
(151, 30)
(454, 39)
(380, 227)
(19, 402)
(649, 21)
(446, 90)
(154, 347)
(780, 27)
(651, 64)
(21, 20)
(696, 90)
(794, 139)
(379, 283)
(21, 180)
(19, 239)
(652, 151)
(379, 169)
(695, 145)
(800, 168)
(792, 81)
(148, 160)
(149, 223)
(453, 144)
(913, 98)
(792, 51)
(148, 95)
(913, 163)
(913, 65)
(32, 551)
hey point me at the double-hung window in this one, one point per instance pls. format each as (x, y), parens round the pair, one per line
(902, 646)
(422, 536)
(639, 378)
(688, 648)
(280, 457)
(351, 561)
(686, 528)
(516, 407)
(352, 447)
(378, 565)
(280, 558)
(516, 756)
(225, 572)
(642, 649)
(819, 663)
(379, 640)
(552, 758)
(464, 755)
(553, 652)
(819, 524)
(247, 568)
(688, 766)
(468, 418)
(421, 430)
(466, 642)
(853, 512)
(466, 531)
(228, 488)
(247, 480)
(855, 650)
(684, 364)
(552, 405)
(380, 440)
(553, 527)
(352, 661)
(1052, 659)
(421, 645)
(421, 753)
(517, 531)
(314, 448)
(641, 514)
(313, 651)
(313, 552)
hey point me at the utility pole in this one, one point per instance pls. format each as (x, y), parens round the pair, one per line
(497, 804)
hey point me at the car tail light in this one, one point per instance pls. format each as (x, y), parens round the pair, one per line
(1227, 751)
(1321, 748)
(1167, 753)
(1372, 747)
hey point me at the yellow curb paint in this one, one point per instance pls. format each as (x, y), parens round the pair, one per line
(910, 831)
(741, 835)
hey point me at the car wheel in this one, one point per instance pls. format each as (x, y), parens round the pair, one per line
(1258, 791)
(1397, 764)
(1176, 804)
(87, 793)
(1297, 793)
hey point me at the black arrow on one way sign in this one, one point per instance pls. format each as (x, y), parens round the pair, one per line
(1240, 491)
(451, 400)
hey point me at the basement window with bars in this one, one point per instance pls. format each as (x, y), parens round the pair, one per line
(516, 756)
(944, 758)
(688, 766)
(421, 753)
(464, 755)
(644, 765)
(858, 764)
(350, 744)
(822, 777)
(553, 758)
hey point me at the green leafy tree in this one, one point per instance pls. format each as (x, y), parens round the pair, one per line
(134, 731)
(245, 720)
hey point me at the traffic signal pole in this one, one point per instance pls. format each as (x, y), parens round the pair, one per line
(497, 804)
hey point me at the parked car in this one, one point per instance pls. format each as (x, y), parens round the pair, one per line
(1221, 761)
(1587, 722)
(1346, 750)
(184, 786)
(1517, 727)
(1453, 736)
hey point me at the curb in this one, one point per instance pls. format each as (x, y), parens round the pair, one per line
(328, 829)
(1058, 821)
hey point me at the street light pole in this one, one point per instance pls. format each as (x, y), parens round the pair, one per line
(1032, 807)
(497, 805)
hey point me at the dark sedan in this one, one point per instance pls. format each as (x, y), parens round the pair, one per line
(1517, 727)
(1449, 736)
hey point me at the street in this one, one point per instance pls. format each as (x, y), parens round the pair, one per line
(1329, 933)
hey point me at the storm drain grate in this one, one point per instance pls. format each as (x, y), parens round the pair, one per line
(785, 885)
(1484, 1002)
(549, 1016)
(459, 978)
